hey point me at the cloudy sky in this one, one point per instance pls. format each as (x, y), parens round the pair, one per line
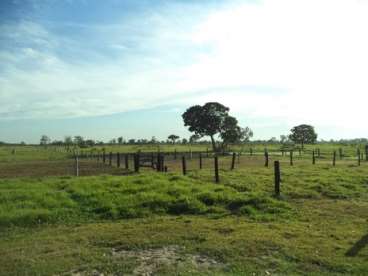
(130, 68)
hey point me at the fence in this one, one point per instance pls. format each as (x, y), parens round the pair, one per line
(170, 161)
(94, 162)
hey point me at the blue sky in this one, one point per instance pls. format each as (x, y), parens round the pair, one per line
(103, 69)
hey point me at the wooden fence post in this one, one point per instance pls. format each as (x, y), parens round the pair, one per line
(158, 168)
(366, 152)
(184, 165)
(118, 160)
(98, 157)
(152, 160)
(136, 162)
(277, 178)
(340, 153)
(291, 158)
(233, 161)
(110, 158)
(319, 152)
(126, 161)
(217, 177)
(162, 159)
(207, 152)
(266, 158)
(76, 165)
(334, 158)
(104, 156)
(358, 153)
(200, 161)
(251, 151)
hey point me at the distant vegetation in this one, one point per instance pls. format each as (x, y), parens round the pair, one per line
(211, 120)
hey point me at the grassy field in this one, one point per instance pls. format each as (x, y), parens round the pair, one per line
(167, 223)
(326, 148)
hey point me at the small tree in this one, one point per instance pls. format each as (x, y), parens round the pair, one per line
(284, 139)
(68, 141)
(79, 141)
(173, 138)
(194, 138)
(45, 140)
(246, 134)
(89, 143)
(120, 140)
(303, 134)
(153, 140)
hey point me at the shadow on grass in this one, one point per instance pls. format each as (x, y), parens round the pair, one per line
(359, 245)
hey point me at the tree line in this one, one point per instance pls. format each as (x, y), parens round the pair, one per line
(213, 120)
(210, 120)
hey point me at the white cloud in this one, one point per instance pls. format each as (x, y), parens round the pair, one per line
(313, 51)
(316, 50)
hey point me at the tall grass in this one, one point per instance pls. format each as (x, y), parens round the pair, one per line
(244, 192)
(54, 200)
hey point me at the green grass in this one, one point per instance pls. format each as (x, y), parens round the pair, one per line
(52, 153)
(56, 225)
(26, 202)
(30, 153)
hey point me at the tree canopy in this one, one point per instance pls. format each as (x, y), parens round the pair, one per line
(44, 140)
(213, 119)
(303, 134)
(173, 138)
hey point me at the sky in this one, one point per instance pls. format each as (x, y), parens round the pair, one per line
(104, 69)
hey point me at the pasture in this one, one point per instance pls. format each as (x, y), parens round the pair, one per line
(113, 221)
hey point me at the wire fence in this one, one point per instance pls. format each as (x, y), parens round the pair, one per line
(97, 162)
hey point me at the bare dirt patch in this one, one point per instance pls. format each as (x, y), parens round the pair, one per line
(151, 260)
(56, 168)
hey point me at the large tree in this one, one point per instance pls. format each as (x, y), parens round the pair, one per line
(213, 119)
(303, 134)
(230, 132)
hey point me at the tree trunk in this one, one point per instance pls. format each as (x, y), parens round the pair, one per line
(213, 144)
